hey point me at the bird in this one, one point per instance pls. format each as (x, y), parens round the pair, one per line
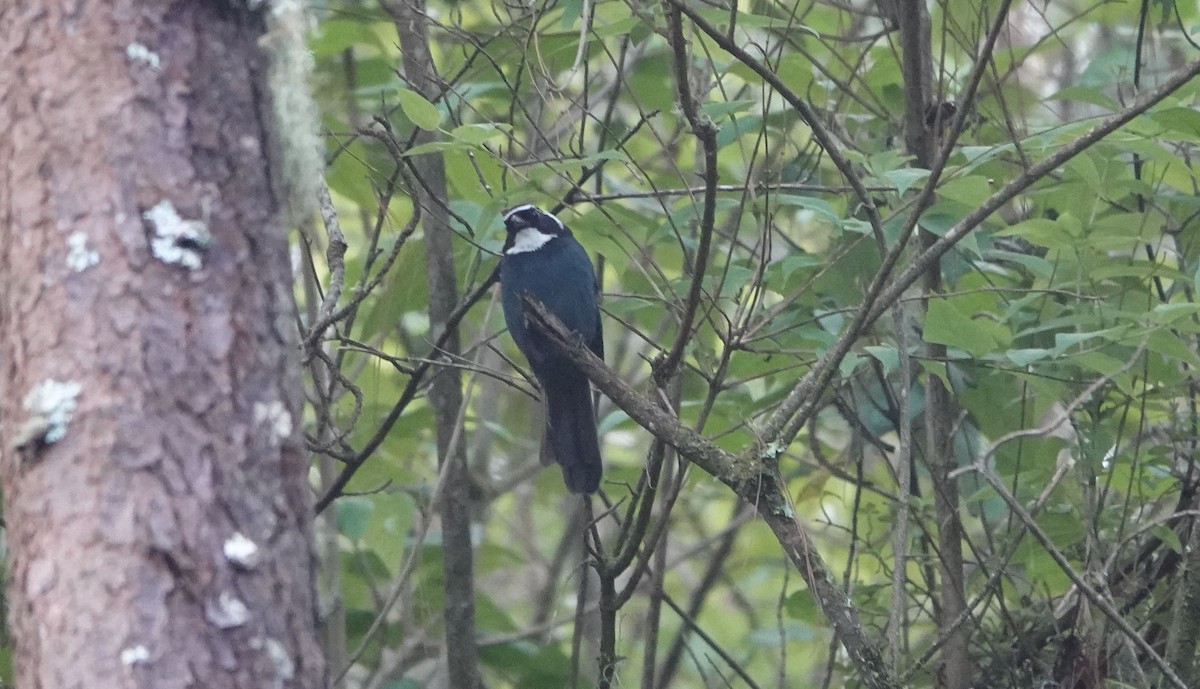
(542, 259)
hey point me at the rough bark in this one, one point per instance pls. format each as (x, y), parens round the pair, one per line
(1185, 613)
(155, 494)
(954, 669)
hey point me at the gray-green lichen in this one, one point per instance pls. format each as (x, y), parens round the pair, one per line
(296, 116)
(772, 450)
(177, 240)
(778, 505)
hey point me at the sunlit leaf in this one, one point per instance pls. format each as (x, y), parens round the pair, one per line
(422, 113)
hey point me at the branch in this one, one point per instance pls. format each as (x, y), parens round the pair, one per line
(335, 254)
(335, 257)
(650, 415)
(806, 112)
(1100, 601)
(748, 474)
(738, 188)
(354, 463)
(1035, 172)
(446, 389)
(800, 403)
(706, 133)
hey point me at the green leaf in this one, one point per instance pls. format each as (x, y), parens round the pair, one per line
(796, 71)
(769, 637)
(1085, 167)
(1062, 525)
(534, 665)
(747, 125)
(1025, 357)
(904, 178)
(620, 27)
(780, 274)
(1168, 536)
(978, 155)
(432, 147)
(800, 605)
(570, 12)
(476, 134)
(1184, 121)
(848, 363)
(1064, 341)
(888, 356)
(1113, 64)
(353, 513)
(1166, 342)
(819, 207)
(422, 113)
(718, 110)
(1059, 233)
(889, 160)
(856, 226)
(970, 190)
(1084, 94)
(938, 223)
(944, 324)
(938, 370)
(491, 617)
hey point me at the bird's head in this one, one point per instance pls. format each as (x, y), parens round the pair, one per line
(530, 228)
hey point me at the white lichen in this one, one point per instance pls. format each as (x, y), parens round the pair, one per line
(772, 450)
(50, 404)
(275, 416)
(136, 52)
(277, 654)
(227, 612)
(177, 240)
(79, 256)
(284, 667)
(134, 655)
(241, 551)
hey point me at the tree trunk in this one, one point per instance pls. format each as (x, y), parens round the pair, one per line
(155, 494)
(445, 387)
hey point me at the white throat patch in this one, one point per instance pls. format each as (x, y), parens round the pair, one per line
(529, 239)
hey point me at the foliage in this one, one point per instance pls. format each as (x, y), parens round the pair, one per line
(1066, 317)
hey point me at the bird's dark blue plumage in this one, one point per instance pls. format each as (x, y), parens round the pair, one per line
(541, 258)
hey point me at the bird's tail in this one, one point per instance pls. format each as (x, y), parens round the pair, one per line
(571, 435)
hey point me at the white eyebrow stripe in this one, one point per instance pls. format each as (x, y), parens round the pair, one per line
(518, 209)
